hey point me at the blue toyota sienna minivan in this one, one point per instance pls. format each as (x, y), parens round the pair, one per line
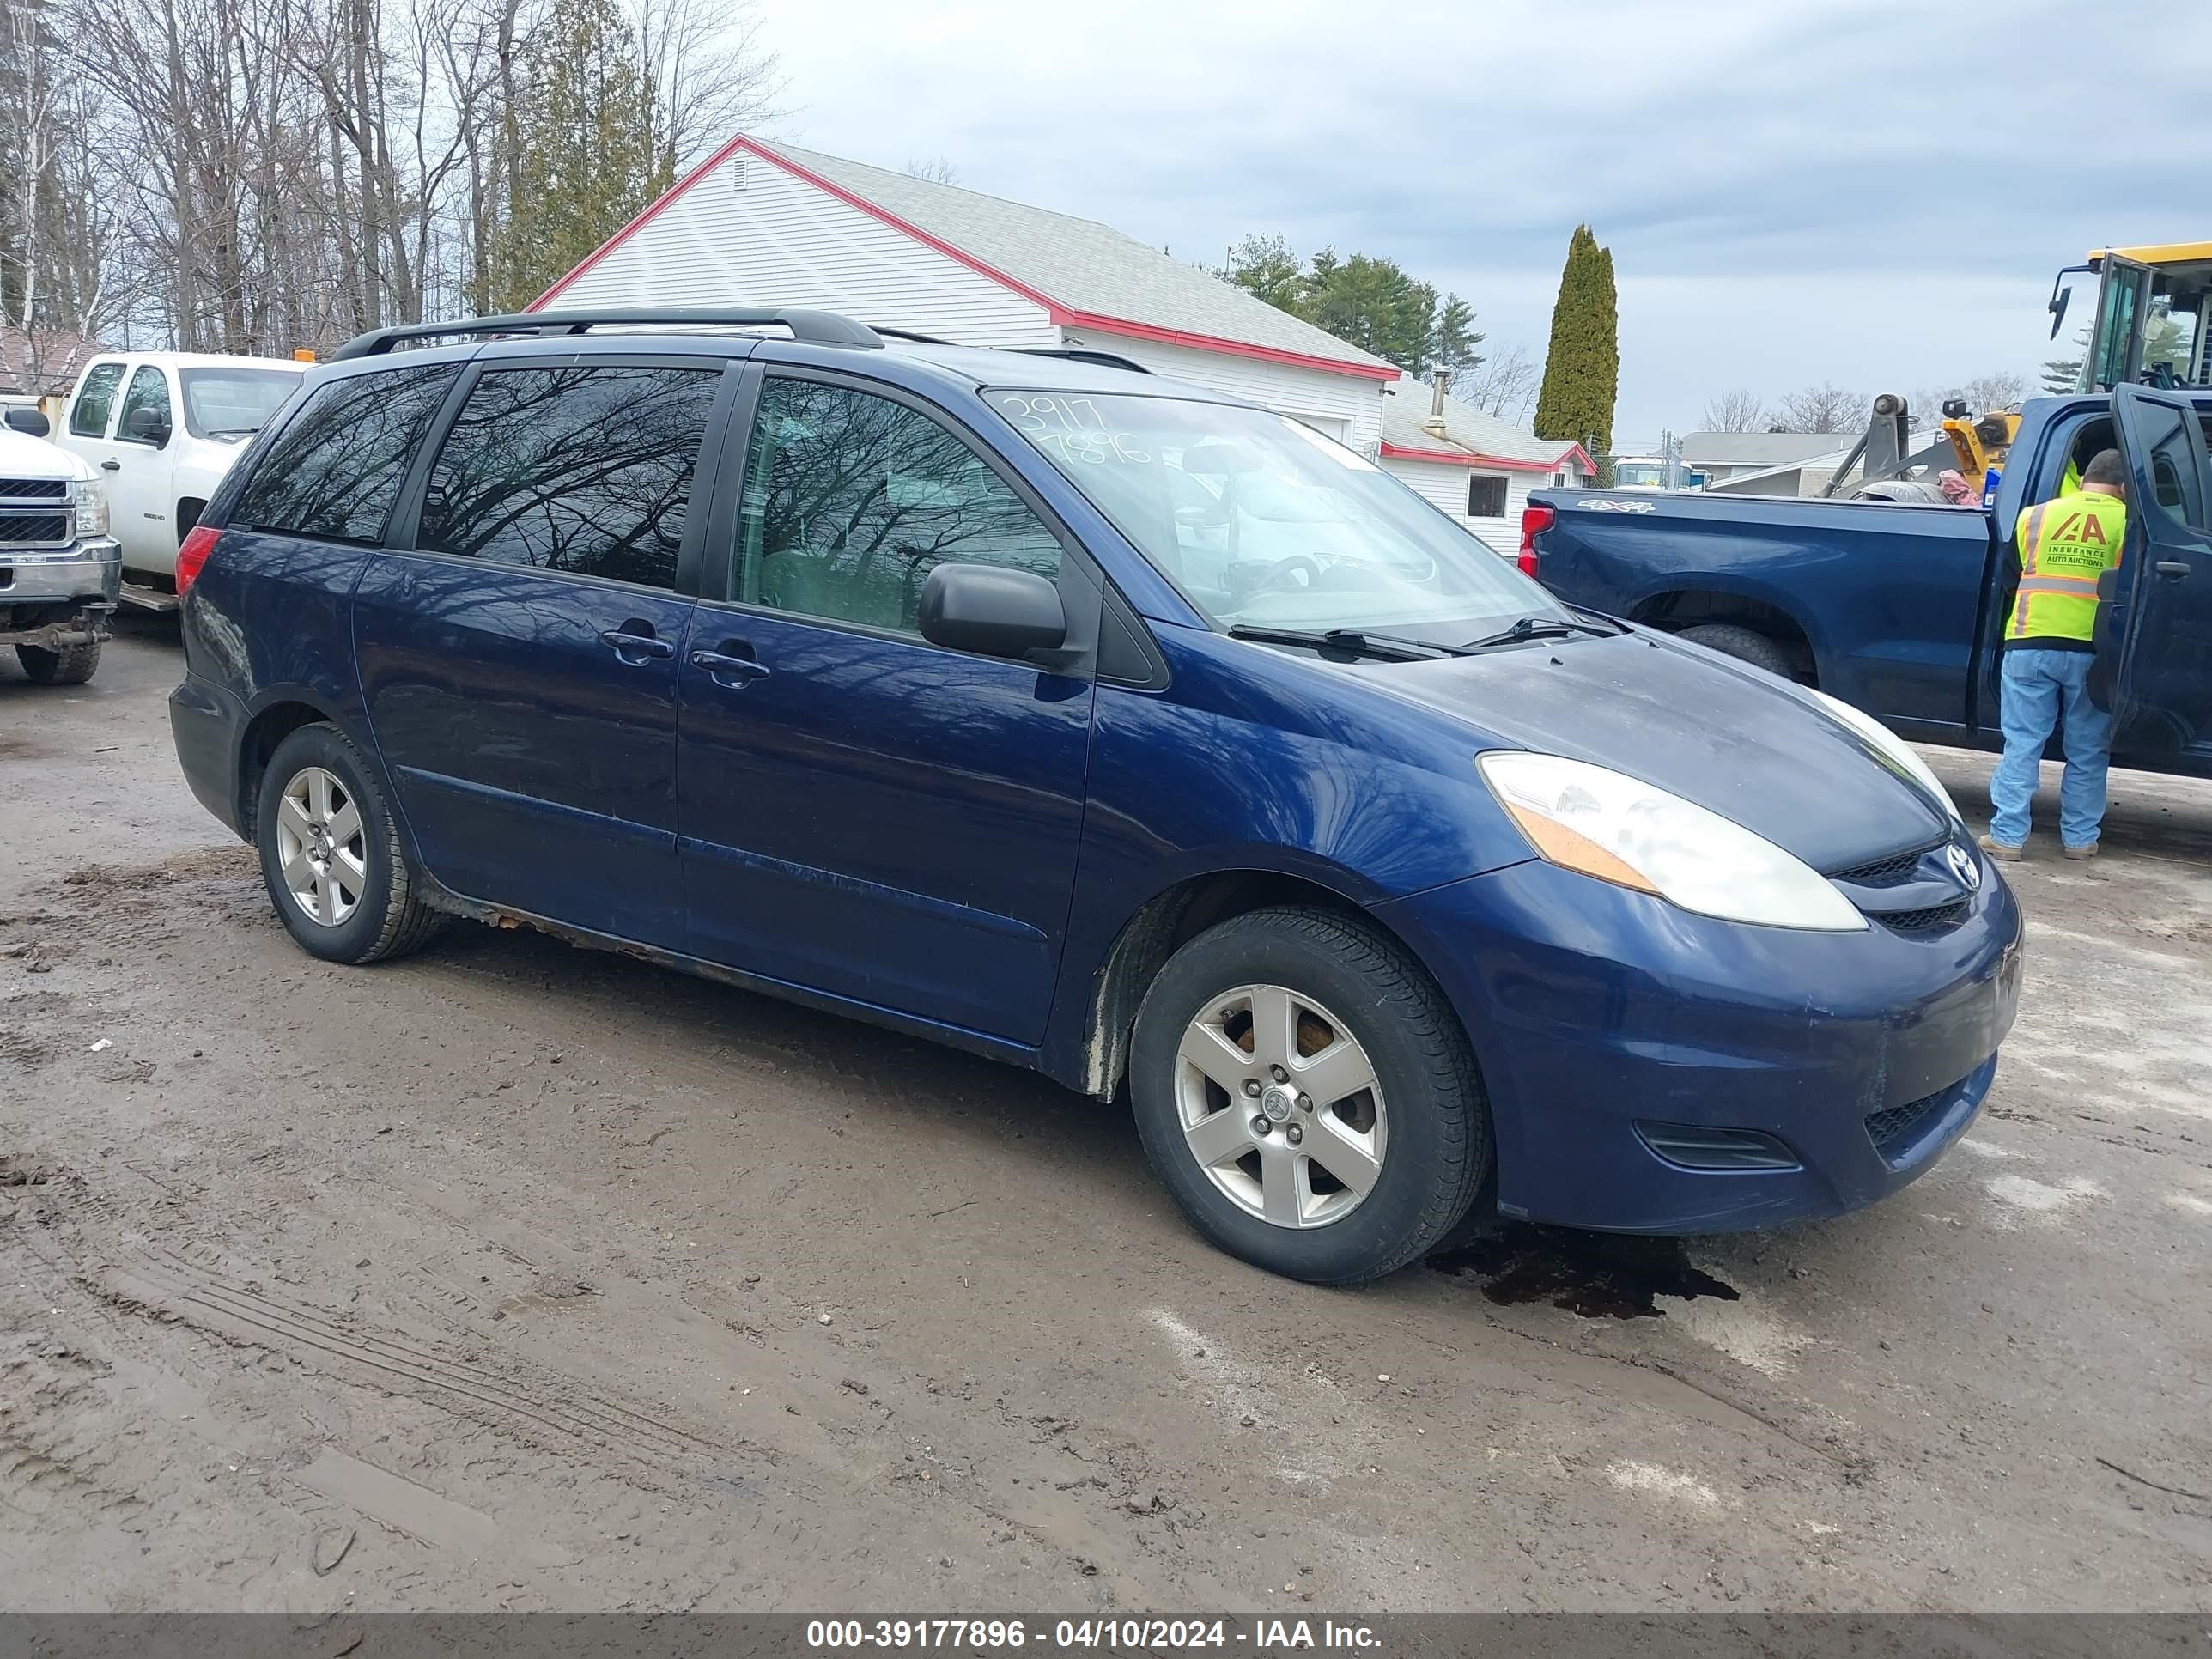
(1100, 724)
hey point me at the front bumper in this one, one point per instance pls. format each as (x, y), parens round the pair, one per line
(89, 571)
(1593, 1009)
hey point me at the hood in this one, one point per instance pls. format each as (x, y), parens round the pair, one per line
(23, 456)
(1726, 735)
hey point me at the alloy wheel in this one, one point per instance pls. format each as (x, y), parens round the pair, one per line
(320, 846)
(1280, 1106)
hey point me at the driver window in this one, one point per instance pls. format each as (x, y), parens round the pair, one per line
(150, 391)
(2176, 463)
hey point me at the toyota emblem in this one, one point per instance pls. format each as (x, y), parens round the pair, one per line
(1963, 865)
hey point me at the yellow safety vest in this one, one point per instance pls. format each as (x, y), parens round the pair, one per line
(2065, 544)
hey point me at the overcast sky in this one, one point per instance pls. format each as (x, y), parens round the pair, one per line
(1793, 191)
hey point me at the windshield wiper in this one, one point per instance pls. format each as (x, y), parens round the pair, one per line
(1383, 647)
(1536, 628)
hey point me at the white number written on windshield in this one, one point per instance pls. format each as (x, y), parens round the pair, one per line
(1071, 430)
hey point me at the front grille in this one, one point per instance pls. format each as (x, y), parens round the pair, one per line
(33, 489)
(1937, 919)
(33, 530)
(1884, 873)
(1893, 1129)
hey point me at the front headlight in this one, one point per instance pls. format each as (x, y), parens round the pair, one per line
(90, 500)
(1893, 750)
(1617, 829)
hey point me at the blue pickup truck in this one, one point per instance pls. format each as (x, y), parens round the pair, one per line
(1898, 608)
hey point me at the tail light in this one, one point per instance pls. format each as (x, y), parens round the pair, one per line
(1534, 521)
(201, 543)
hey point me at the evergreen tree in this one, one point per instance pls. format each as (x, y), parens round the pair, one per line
(1369, 303)
(587, 159)
(1264, 265)
(1582, 369)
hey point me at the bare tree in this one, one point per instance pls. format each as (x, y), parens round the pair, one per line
(2001, 389)
(937, 170)
(1823, 407)
(1504, 385)
(711, 76)
(1740, 410)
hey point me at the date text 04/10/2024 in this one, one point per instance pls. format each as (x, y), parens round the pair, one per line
(987, 1635)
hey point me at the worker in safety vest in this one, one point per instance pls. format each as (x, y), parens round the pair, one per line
(2049, 646)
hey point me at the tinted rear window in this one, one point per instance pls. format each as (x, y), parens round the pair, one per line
(335, 470)
(586, 470)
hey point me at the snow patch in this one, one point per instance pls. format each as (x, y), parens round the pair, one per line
(1747, 1335)
(1254, 1400)
(1663, 1482)
(2034, 1198)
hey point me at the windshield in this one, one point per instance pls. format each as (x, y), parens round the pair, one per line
(1262, 522)
(233, 402)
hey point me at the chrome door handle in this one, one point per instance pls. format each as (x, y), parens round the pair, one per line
(635, 648)
(736, 673)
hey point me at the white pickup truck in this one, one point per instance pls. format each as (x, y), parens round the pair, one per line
(59, 569)
(163, 426)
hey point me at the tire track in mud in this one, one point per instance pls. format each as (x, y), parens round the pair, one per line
(170, 1288)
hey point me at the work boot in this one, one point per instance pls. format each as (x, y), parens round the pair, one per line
(2087, 852)
(2005, 853)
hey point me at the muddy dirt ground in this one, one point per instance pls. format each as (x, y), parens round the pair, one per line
(515, 1277)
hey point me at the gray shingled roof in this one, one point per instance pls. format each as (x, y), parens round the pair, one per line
(1080, 263)
(1465, 428)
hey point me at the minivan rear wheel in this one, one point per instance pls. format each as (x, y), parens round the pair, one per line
(1307, 1096)
(330, 855)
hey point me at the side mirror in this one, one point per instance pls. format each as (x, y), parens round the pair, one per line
(148, 426)
(991, 611)
(33, 422)
(2059, 299)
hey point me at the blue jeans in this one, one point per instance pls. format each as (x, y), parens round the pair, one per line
(2038, 686)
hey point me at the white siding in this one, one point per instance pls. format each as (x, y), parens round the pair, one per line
(782, 241)
(1446, 487)
(1345, 406)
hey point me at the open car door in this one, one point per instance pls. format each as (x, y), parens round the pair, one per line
(2162, 592)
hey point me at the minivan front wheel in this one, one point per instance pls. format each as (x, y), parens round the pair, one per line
(1307, 1096)
(330, 855)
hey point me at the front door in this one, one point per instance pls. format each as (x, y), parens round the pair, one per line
(141, 506)
(867, 814)
(520, 665)
(2165, 683)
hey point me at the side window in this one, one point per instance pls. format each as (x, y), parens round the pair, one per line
(852, 500)
(588, 470)
(335, 470)
(1485, 497)
(95, 398)
(2177, 456)
(145, 418)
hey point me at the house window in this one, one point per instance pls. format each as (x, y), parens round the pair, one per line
(1485, 497)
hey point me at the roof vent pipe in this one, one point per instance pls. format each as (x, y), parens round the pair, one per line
(1435, 423)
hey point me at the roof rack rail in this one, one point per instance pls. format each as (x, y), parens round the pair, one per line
(1084, 355)
(908, 334)
(814, 327)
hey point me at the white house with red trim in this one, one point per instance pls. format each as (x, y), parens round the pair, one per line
(1474, 467)
(760, 223)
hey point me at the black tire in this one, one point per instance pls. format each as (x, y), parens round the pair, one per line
(388, 919)
(72, 665)
(1745, 644)
(1438, 1148)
